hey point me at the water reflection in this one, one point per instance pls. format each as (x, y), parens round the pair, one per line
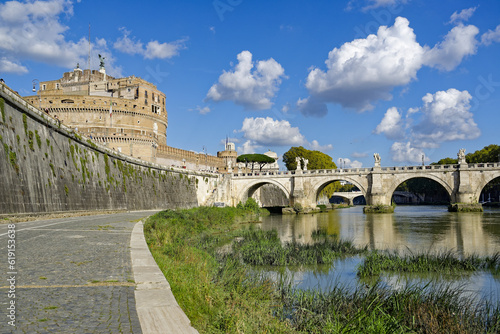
(410, 228)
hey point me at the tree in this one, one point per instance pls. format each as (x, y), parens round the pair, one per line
(260, 159)
(490, 153)
(317, 159)
(446, 161)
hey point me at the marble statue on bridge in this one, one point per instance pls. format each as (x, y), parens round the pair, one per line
(377, 159)
(461, 156)
(297, 160)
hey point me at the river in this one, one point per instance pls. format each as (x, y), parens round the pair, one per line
(409, 229)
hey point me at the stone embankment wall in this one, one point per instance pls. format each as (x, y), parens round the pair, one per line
(47, 167)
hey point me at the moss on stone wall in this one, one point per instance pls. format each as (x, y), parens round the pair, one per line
(2, 108)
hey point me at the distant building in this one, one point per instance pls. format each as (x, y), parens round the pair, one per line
(125, 114)
(228, 156)
(274, 165)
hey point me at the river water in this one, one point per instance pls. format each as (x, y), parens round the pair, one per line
(409, 229)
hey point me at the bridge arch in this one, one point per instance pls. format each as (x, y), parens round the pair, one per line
(399, 180)
(251, 187)
(321, 184)
(491, 176)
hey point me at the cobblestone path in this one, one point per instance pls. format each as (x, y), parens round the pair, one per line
(72, 275)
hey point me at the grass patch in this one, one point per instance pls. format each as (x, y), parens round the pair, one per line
(378, 208)
(50, 308)
(257, 247)
(207, 260)
(411, 309)
(214, 290)
(444, 263)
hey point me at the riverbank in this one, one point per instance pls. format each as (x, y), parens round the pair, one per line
(205, 257)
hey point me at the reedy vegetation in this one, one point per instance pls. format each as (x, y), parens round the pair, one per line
(206, 259)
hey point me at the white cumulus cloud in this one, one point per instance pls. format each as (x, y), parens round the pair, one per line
(348, 163)
(152, 50)
(458, 43)
(405, 152)
(391, 125)
(267, 131)
(464, 15)
(9, 66)
(491, 36)
(252, 88)
(366, 70)
(315, 146)
(264, 132)
(444, 116)
(32, 31)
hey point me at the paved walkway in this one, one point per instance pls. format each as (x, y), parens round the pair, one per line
(74, 275)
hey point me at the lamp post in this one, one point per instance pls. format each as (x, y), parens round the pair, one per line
(35, 82)
(423, 159)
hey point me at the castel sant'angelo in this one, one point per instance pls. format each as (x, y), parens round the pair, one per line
(128, 115)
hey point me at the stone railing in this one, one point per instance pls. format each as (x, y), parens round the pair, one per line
(426, 168)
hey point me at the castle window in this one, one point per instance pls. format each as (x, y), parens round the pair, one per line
(146, 94)
(57, 86)
(67, 101)
(146, 102)
(43, 87)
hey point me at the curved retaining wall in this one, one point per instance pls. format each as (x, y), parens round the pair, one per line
(47, 167)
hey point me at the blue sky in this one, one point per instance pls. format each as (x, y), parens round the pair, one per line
(349, 78)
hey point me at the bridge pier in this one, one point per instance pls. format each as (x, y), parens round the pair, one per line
(464, 199)
(377, 198)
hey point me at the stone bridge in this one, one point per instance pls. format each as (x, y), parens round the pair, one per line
(463, 182)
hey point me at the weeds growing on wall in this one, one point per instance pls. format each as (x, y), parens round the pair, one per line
(2, 108)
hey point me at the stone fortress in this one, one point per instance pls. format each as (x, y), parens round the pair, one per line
(127, 115)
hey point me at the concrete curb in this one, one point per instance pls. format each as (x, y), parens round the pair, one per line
(156, 306)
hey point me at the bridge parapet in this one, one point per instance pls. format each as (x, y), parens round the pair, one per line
(463, 182)
(351, 171)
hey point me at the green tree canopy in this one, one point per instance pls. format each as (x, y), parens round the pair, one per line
(490, 153)
(317, 159)
(446, 161)
(255, 159)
